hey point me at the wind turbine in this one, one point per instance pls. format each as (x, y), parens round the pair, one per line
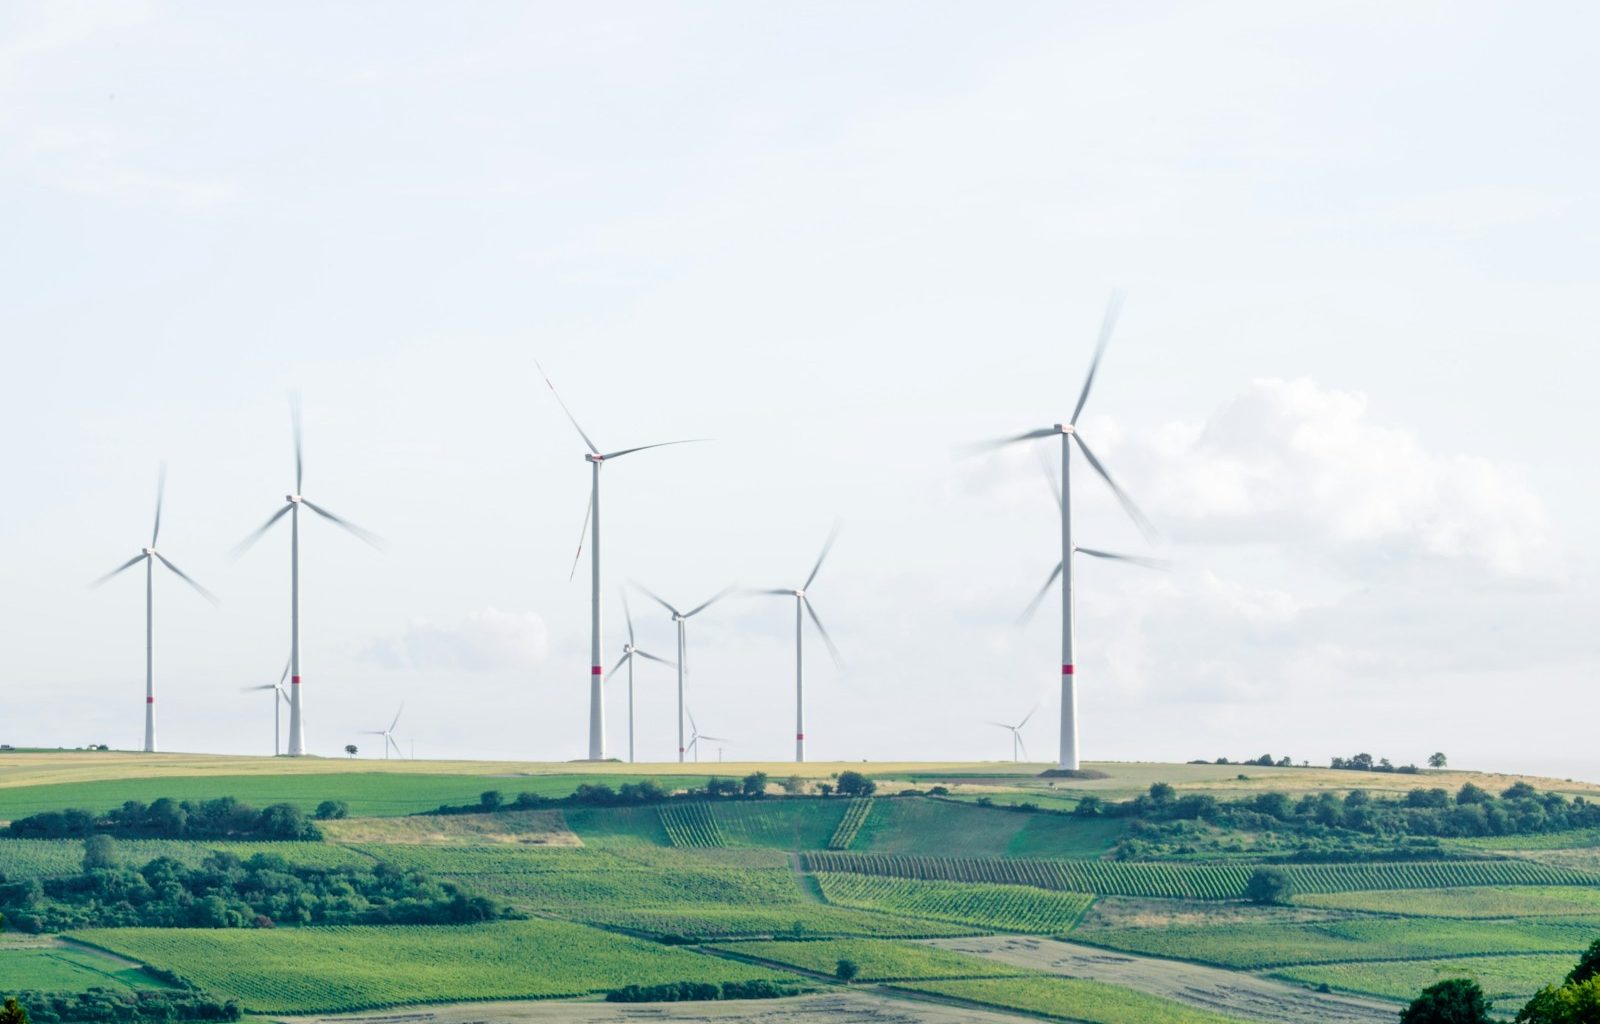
(802, 604)
(279, 697)
(597, 707)
(680, 618)
(291, 508)
(388, 735)
(150, 556)
(630, 650)
(1069, 434)
(1016, 733)
(694, 742)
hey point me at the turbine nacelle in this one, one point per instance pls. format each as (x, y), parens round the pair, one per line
(148, 552)
(293, 499)
(1065, 428)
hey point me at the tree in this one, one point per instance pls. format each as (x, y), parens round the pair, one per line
(846, 970)
(855, 784)
(1268, 885)
(1452, 1001)
(99, 853)
(331, 809)
(794, 785)
(13, 1012)
(825, 788)
(1470, 794)
(490, 799)
(1162, 793)
(1588, 965)
(755, 784)
(1438, 760)
(351, 749)
(1572, 1003)
(1088, 806)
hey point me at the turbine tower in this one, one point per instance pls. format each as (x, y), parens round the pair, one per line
(1016, 734)
(291, 508)
(278, 699)
(679, 619)
(150, 556)
(694, 741)
(388, 735)
(1069, 434)
(630, 650)
(802, 607)
(595, 458)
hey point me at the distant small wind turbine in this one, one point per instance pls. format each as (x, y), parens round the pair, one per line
(1016, 734)
(150, 556)
(388, 735)
(278, 700)
(1070, 435)
(802, 604)
(679, 619)
(630, 650)
(291, 508)
(694, 741)
(597, 705)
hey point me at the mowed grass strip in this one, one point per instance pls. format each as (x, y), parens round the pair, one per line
(1014, 908)
(321, 970)
(58, 967)
(876, 959)
(1350, 940)
(43, 858)
(1472, 902)
(1501, 977)
(1072, 999)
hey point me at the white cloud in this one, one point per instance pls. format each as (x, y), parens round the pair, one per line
(483, 641)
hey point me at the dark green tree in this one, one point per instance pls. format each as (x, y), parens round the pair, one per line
(755, 784)
(846, 970)
(490, 799)
(1162, 793)
(13, 1012)
(1438, 760)
(99, 853)
(1268, 885)
(1588, 965)
(1452, 1001)
(855, 784)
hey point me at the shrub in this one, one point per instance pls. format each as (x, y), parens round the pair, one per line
(1268, 885)
(855, 784)
(1452, 1001)
(846, 970)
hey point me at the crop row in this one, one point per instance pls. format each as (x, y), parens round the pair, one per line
(1017, 908)
(854, 817)
(691, 825)
(42, 858)
(1192, 881)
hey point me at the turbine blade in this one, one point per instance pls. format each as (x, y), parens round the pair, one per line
(1033, 606)
(1149, 563)
(299, 460)
(287, 664)
(1140, 520)
(776, 592)
(397, 751)
(573, 419)
(716, 739)
(659, 444)
(647, 592)
(161, 491)
(1029, 715)
(620, 662)
(1109, 324)
(129, 564)
(652, 657)
(694, 730)
(838, 662)
(979, 447)
(627, 613)
(1049, 472)
(366, 535)
(264, 686)
(1024, 747)
(588, 510)
(208, 595)
(245, 545)
(397, 715)
(998, 725)
(827, 546)
(719, 595)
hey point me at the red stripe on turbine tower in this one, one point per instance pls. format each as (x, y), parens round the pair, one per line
(799, 735)
(295, 680)
(149, 700)
(1066, 670)
(594, 670)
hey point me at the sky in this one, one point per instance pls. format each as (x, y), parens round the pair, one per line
(1352, 384)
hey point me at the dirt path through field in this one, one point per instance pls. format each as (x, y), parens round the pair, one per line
(827, 1008)
(1212, 988)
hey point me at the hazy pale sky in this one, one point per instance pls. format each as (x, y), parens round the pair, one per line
(1352, 384)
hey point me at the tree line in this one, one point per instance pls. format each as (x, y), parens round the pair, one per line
(166, 818)
(1576, 1000)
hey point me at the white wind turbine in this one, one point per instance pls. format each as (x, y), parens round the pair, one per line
(150, 556)
(1069, 434)
(1016, 734)
(694, 740)
(279, 698)
(388, 735)
(630, 650)
(291, 508)
(680, 619)
(802, 604)
(597, 707)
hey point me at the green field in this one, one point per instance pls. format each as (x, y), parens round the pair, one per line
(24, 858)
(1073, 999)
(1013, 908)
(329, 969)
(1471, 902)
(960, 829)
(878, 960)
(1502, 977)
(46, 965)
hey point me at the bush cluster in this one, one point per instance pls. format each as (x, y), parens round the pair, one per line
(222, 818)
(105, 1005)
(684, 991)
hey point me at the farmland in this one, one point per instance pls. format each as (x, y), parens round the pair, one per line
(954, 894)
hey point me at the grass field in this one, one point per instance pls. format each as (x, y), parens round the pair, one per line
(37, 858)
(1471, 902)
(1513, 978)
(328, 969)
(1073, 999)
(878, 959)
(48, 965)
(959, 829)
(1001, 907)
